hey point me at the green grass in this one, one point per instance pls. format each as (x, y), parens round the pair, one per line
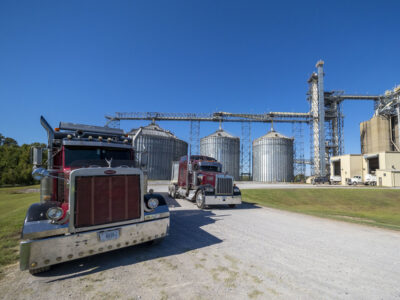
(13, 207)
(376, 207)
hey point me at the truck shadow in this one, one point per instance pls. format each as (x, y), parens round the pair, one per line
(185, 235)
(171, 202)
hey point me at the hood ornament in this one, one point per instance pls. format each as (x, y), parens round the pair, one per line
(109, 162)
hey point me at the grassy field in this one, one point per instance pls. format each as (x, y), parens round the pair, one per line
(14, 203)
(377, 207)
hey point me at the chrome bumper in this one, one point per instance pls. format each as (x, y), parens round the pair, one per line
(45, 252)
(218, 200)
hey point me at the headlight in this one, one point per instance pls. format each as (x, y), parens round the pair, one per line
(236, 189)
(54, 213)
(152, 203)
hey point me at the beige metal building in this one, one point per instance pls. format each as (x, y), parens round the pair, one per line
(384, 165)
(346, 166)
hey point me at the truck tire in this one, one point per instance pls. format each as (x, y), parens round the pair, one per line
(172, 191)
(200, 200)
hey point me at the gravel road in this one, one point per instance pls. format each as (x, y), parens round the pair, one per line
(243, 253)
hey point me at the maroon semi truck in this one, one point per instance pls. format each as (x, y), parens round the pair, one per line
(200, 179)
(93, 198)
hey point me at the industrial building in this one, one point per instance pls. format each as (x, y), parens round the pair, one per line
(324, 118)
(346, 166)
(379, 134)
(384, 165)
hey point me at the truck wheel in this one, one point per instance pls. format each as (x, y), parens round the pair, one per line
(39, 270)
(232, 205)
(200, 199)
(172, 191)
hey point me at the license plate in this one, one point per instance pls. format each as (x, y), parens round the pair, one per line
(109, 235)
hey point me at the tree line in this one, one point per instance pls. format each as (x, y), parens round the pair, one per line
(15, 165)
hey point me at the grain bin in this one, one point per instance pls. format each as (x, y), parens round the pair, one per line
(225, 148)
(162, 147)
(273, 158)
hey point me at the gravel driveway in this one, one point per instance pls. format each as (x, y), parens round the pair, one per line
(241, 253)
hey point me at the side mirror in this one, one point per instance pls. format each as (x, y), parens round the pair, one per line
(40, 173)
(144, 158)
(36, 156)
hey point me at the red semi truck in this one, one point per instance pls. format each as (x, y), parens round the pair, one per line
(200, 179)
(93, 198)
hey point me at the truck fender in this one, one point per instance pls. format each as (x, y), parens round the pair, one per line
(202, 187)
(37, 211)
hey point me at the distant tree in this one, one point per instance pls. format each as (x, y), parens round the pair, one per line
(15, 166)
(9, 142)
(300, 178)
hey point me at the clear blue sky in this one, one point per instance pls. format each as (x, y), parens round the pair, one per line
(77, 61)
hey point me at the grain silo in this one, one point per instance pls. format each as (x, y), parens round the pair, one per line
(225, 148)
(375, 135)
(162, 147)
(273, 158)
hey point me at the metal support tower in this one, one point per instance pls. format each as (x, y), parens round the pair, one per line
(340, 129)
(315, 136)
(298, 149)
(194, 137)
(321, 119)
(245, 151)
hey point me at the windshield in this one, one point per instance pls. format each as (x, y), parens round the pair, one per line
(92, 156)
(210, 168)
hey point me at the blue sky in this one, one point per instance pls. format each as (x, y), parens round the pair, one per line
(77, 61)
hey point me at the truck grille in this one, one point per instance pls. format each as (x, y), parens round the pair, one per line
(106, 199)
(224, 186)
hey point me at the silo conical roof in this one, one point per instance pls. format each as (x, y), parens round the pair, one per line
(272, 134)
(221, 133)
(153, 129)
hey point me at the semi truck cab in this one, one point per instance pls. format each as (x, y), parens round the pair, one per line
(200, 179)
(93, 198)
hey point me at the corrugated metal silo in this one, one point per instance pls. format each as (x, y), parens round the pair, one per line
(273, 158)
(225, 148)
(162, 147)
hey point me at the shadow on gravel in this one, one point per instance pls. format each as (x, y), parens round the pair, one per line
(173, 203)
(185, 235)
(244, 205)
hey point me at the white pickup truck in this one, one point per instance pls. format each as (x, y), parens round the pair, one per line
(355, 180)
